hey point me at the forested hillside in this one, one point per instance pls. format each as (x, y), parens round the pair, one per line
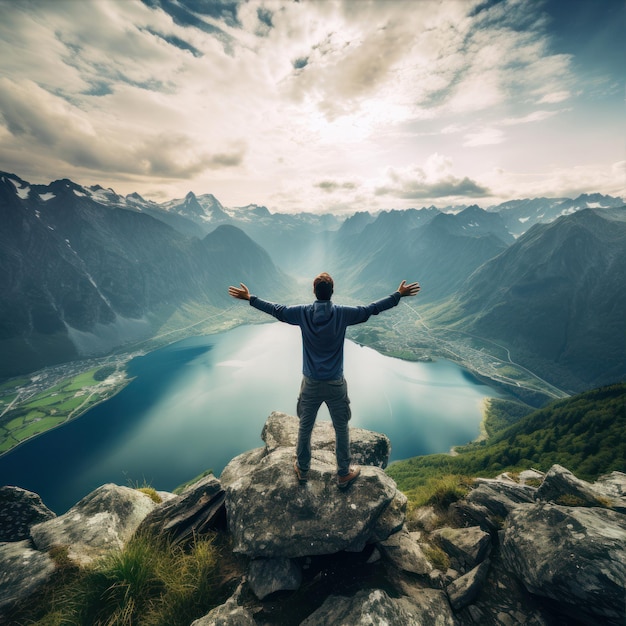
(585, 433)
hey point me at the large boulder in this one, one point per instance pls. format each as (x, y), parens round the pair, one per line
(271, 515)
(267, 576)
(576, 556)
(562, 487)
(367, 447)
(489, 502)
(23, 571)
(199, 509)
(466, 547)
(19, 510)
(405, 552)
(102, 521)
(375, 606)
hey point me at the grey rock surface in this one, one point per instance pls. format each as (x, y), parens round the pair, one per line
(367, 447)
(465, 589)
(192, 513)
(374, 607)
(406, 553)
(19, 510)
(231, 613)
(466, 547)
(267, 576)
(271, 515)
(23, 571)
(573, 555)
(102, 521)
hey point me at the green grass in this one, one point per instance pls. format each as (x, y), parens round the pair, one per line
(35, 428)
(149, 583)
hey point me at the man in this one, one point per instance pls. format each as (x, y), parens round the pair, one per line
(323, 326)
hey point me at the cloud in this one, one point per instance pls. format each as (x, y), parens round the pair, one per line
(535, 116)
(484, 137)
(50, 126)
(330, 186)
(434, 180)
(554, 97)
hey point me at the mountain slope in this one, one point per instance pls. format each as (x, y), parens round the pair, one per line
(556, 299)
(584, 433)
(81, 278)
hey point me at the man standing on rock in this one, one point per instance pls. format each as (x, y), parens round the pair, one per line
(323, 325)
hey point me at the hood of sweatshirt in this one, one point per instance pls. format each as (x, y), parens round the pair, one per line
(322, 311)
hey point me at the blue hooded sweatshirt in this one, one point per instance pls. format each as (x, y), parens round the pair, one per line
(323, 325)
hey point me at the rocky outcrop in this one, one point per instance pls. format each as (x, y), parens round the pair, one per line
(23, 571)
(19, 510)
(315, 518)
(573, 555)
(375, 606)
(199, 509)
(508, 553)
(102, 521)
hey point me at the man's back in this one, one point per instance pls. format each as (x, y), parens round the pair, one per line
(323, 325)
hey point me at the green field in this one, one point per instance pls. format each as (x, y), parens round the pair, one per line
(50, 408)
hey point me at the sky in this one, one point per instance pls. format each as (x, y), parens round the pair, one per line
(317, 105)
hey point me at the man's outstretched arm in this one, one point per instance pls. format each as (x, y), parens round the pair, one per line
(241, 293)
(288, 314)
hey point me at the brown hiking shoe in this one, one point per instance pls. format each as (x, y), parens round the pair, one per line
(302, 476)
(343, 482)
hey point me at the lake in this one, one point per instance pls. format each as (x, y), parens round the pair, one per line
(196, 404)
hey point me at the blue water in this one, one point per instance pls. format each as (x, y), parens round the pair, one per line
(196, 404)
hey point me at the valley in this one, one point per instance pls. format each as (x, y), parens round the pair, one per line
(54, 395)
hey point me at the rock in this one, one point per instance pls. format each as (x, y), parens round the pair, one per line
(424, 517)
(271, 515)
(489, 503)
(373, 606)
(464, 590)
(575, 556)
(102, 521)
(613, 487)
(266, 576)
(228, 614)
(19, 510)
(241, 465)
(466, 547)
(562, 487)
(406, 553)
(199, 509)
(367, 447)
(392, 518)
(530, 476)
(23, 571)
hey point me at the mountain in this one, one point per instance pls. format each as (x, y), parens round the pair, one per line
(80, 278)
(520, 215)
(555, 298)
(438, 249)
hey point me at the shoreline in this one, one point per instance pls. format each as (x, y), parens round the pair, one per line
(125, 357)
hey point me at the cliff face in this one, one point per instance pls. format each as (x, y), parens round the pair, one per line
(506, 553)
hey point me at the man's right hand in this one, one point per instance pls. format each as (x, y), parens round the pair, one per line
(411, 289)
(242, 293)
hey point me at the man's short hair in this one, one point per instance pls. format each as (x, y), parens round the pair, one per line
(323, 286)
